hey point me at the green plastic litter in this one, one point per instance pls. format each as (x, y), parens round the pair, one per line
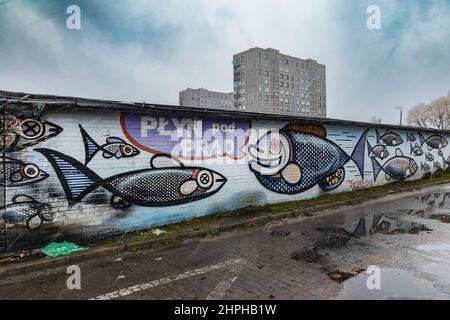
(55, 249)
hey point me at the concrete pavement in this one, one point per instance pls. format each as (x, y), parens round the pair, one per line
(320, 257)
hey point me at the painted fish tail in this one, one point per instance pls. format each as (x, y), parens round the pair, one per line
(76, 179)
(90, 146)
(421, 138)
(358, 155)
(369, 149)
(376, 168)
(378, 135)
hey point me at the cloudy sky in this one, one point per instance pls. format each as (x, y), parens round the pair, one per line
(149, 50)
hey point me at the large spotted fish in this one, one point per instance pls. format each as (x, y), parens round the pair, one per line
(298, 157)
(166, 183)
(113, 148)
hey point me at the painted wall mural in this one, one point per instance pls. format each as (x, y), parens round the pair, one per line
(22, 133)
(187, 137)
(286, 161)
(114, 147)
(16, 173)
(25, 209)
(89, 173)
(166, 183)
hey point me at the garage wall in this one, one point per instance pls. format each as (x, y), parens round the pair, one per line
(88, 174)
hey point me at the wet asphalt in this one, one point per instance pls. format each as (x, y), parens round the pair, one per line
(405, 238)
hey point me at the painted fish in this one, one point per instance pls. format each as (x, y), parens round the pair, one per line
(411, 136)
(26, 209)
(20, 134)
(287, 160)
(379, 151)
(437, 165)
(424, 167)
(416, 150)
(440, 153)
(15, 173)
(167, 182)
(398, 167)
(114, 147)
(429, 157)
(433, 142)
(390, 138)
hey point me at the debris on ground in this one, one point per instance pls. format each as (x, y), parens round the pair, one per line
(158, 259)
(118, 260)
(280, 233)
(157, 231)
(55, 249)
(121, 277)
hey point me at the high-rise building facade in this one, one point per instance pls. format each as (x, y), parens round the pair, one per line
(203, 98)
(266, 81)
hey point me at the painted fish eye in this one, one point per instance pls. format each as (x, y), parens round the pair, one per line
(31, 171)
(126, 150)
(204, 179)
(32, 129)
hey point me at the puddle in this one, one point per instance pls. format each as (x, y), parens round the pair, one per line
(395, 284)
(438, 248)
(372, 223)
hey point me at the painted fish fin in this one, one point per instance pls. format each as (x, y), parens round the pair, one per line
(369, 148)
(387, 177)
(76, 179)
(90, 146)
(421, 138)
(114, 140)
(398, 152)
(376, 168)
(306, 128)
(165, 161)
(22, 198)
(332, 181)
(188, 187)
(107, 155)
(358, 153)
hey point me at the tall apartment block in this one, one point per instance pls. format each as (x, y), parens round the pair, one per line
(203, 98)
(267, 81)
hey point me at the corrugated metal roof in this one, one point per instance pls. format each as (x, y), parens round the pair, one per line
(64, 103)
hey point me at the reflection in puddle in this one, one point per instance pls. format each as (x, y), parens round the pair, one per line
(371, 223)
(395, 284)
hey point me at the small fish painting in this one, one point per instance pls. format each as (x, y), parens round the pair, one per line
(25, 209)
(399, 167)
(113, 148)
(424, 167)
(416, 150)
(379, 151)
(19, 134)
(435, 141)
(15, 173)
(410, 136)
(390, 138)
(429, 157)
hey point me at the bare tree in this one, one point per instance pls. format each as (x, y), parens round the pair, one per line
(439, 111)
(376, 120)
(433, 115)
(418, 116)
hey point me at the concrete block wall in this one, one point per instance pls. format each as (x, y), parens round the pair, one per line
(83, 174)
